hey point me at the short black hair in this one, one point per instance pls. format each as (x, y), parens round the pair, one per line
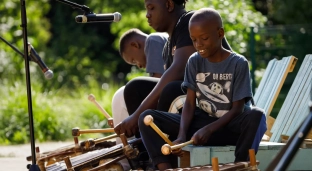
(205, 14)
(126, 37)
(180, 2)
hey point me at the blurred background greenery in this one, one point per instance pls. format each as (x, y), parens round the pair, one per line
(85, 59)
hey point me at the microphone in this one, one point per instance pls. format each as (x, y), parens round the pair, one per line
(90, 18)
(48, 74)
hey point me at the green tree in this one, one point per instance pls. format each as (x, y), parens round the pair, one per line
(238, 16)
(11, 63)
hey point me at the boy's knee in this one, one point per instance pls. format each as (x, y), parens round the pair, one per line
(142, 116)
(132, 84)
(259, 116)
(256, 111)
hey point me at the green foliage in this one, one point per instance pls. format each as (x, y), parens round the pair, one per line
(11, 63)
(290, 12)
(136, 72)
(238, 16)
(55, 113)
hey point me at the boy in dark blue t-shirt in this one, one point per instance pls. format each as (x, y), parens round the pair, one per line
(220, 81)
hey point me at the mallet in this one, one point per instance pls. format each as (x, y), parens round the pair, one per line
(128, 150)
(148, 121)
(91, 97)
(166, 149)
(77, 132)
(89, 143)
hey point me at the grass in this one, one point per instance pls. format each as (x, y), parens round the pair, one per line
(55, 113)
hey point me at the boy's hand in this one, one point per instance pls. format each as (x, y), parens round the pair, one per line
(178, 152)
(129, 126)
(201, 136)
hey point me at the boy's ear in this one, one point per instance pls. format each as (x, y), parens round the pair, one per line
(221, 33)
(170, 5)
(135, 44)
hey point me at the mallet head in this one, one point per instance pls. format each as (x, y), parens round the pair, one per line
(148, 119)
(75, 132)
(166, 149)
(91, 97)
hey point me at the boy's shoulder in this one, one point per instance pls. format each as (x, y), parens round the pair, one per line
(158, 34)
(185, 18)
(238, 56)
(233, 58)
(189, 13)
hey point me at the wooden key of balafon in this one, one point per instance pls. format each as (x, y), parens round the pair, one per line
(215, 164)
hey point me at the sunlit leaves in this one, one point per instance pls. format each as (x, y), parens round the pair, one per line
(237, 15)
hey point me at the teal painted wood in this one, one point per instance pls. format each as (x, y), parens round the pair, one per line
(200, 156)
(272, 81)
(295, 107)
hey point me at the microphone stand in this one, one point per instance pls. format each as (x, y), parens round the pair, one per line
(84, 8)
(32, 167)
(14, 48)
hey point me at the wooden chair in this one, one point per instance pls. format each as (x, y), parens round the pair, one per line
(271, 84)
(295, 107)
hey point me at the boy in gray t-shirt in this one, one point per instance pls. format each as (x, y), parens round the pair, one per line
(220, 81)
(143, 50)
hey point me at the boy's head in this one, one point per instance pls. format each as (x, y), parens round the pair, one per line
(206, 31)
(159, 13)
(131, 47)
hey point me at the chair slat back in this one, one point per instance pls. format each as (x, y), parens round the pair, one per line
(295, 107)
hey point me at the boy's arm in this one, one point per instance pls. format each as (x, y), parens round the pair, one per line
(187, 115)
(175, 72)
(202, 135)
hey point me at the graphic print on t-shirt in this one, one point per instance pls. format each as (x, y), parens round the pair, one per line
(213, 92)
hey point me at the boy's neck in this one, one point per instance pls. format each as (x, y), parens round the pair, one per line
(220, 55)
(176, 16)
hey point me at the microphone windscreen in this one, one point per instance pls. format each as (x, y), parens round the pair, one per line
(117, 16)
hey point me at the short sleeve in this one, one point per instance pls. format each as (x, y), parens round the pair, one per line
(182, 36)
(242, 81)
(190, 74)
(153, 51)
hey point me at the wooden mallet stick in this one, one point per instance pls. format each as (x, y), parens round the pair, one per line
(92, 142)
(148, 121)
(91, 97)
(167, 149)
(100, 140)
(77, 132)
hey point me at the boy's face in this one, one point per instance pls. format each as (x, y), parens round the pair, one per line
(134, 55)
(156, 14)
(206, 37)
